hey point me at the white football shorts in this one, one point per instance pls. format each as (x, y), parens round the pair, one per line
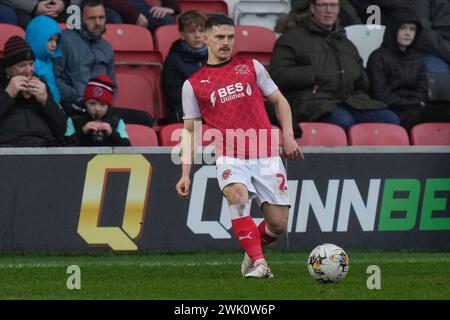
(265, 178)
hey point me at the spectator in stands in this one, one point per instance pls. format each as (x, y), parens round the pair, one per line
(434, 16)
(300, 10)
(43, 35)
(158, 15)
(26, 10)
(120, 12)
(98, 126)
(29, 117)
(7, 15)
(397, 71)
(84, 55)
(321, 73)
(435, 39)
(186, 56)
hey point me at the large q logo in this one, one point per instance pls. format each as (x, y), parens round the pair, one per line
(118, 238)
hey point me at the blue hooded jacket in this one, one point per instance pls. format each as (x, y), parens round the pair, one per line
(38, 32)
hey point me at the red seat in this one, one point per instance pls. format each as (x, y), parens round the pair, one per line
(164, 37)
(6, 32)
(131, 43)
(169, 135)
(141, 136)
(254, 42)
(322, 134)
(377, 134)
(135, 92)
(431, 134)
(206, 6)
(134, 53)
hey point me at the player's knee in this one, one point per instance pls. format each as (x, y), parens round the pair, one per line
(236, 194)
(278, 227)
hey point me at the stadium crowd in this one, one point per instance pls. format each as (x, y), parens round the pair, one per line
(314, 64)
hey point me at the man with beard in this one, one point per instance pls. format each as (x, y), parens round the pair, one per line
(228, 94)
(84, 55)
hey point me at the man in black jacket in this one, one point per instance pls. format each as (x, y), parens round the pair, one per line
(29, 117)
(321, 73)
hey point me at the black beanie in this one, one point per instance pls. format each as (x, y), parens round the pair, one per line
(16, 50)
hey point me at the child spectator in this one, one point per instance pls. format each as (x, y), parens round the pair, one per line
(44, 34)
(397, 71)
(186, 56)
(97, 126)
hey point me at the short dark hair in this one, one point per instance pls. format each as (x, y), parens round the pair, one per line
(216, 20)
(91, 3)
(191, 17)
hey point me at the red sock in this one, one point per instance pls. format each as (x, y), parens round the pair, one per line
(266, 238)
(247, 233)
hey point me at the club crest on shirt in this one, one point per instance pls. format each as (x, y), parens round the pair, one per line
(226, 174)
(242, 69)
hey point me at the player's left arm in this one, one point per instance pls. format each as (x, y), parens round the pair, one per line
(283, 113)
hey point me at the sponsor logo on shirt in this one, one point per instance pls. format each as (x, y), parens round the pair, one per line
(231, 92)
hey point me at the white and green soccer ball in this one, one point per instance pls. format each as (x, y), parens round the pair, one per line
(328, 263)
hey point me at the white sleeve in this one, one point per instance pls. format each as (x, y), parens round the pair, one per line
(191, 110)
(263, 79)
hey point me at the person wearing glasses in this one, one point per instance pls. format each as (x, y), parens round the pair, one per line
(320, 72)
(300, 9)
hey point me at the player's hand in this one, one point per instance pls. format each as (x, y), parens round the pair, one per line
(291, 149)
(183, 187)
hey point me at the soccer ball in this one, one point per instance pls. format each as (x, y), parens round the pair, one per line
(328, 263)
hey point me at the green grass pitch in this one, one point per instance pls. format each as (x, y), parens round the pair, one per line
(216, 276)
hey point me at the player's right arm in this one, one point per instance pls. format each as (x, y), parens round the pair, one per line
(191, 113)
(187, 156)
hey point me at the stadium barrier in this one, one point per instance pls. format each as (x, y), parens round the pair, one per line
(124, 199)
